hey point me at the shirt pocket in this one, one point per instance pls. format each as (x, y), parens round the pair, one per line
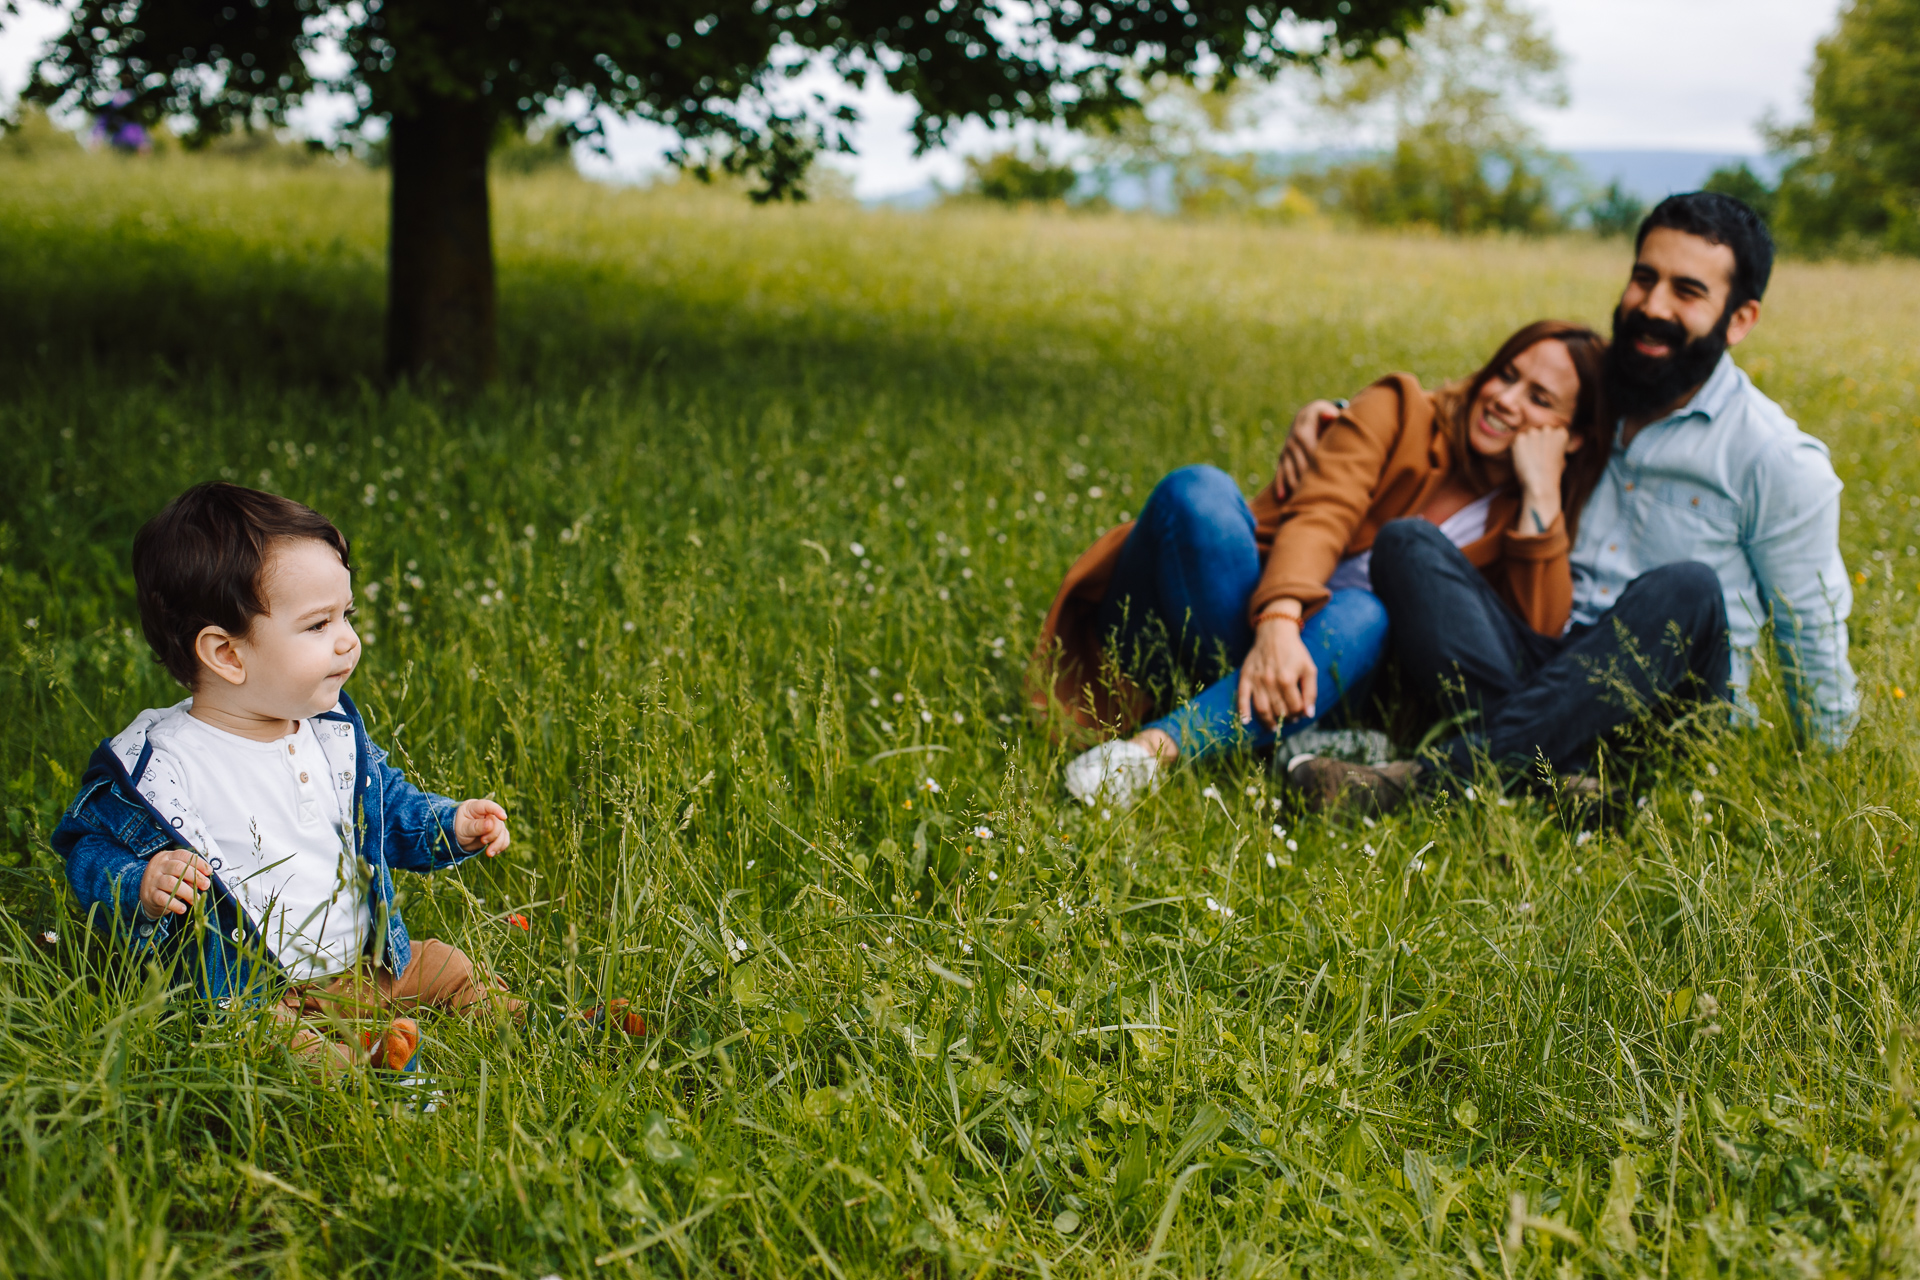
(1697, 517)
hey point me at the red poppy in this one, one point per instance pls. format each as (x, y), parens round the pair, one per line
(519, 921)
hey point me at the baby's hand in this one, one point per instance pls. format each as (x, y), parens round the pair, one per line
(172, 880)
(481, 822)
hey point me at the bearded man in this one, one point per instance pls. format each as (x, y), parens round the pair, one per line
(1716, 516)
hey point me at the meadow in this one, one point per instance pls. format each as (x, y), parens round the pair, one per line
(727, 593)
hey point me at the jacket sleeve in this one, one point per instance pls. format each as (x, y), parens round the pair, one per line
(1319, 519)
(419, 824)
(1537, 576)
(105, 876)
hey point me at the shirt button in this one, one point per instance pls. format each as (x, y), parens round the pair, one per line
(1629, 486)
(1696, 502)
(303, 775)
(1611, 546)
(289, 748)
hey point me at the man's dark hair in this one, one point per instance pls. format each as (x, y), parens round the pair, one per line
(1718, 218)
(199, 563)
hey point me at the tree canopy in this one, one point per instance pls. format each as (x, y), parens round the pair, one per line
(711, 70)
(446, 75)
(1853, 171)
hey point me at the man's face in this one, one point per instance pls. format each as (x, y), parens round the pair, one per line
(1673, 323)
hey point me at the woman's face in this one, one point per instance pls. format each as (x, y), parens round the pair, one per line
(1539, 388)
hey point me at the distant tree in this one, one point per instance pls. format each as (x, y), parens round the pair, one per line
(1742, 183)
(31, 136)
(1014, 178)
(1462, 160)
(443, 74)
(1615, 211)
(1853, 171)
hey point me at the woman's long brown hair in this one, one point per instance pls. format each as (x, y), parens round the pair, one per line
(1592, 424)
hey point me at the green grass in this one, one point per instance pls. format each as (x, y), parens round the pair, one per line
(1467, 1041)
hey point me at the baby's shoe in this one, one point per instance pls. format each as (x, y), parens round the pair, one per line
(394, 1048)
(618, 1012)
(1115, 773)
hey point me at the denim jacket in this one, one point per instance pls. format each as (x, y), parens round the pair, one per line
(132, 805)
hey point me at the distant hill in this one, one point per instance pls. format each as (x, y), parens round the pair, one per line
(1647, 175)
(1652, 175)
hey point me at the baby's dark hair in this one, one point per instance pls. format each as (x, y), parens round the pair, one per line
(199, 563)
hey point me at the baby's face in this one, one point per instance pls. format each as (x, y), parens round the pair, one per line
(302, 649)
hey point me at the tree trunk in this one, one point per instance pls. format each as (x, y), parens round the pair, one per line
(440, 299)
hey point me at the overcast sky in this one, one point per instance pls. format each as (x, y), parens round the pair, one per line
(1643, 74)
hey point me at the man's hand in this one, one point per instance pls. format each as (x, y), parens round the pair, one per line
(1539, 460)
(171, 882)
(481, 822)
(1278, 681)
(1302, 440)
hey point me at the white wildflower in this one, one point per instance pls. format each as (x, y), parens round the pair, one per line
(49, 937)
(1293, 846)
(856, 549)
(1582, 838)
(1698, 796)
(983, 833)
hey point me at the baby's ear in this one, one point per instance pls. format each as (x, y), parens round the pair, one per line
(219, 655)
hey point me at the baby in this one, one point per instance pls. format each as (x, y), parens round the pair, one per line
(249, 833)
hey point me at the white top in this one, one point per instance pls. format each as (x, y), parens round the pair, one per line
(281, 842)
(1468, 524)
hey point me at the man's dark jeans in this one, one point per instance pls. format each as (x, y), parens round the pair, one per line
(1662, 648)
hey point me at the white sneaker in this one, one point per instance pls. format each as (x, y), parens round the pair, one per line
(1116, 772)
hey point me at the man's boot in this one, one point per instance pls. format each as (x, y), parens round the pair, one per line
(1335, 785)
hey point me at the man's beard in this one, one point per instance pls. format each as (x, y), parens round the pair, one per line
(1639, 384)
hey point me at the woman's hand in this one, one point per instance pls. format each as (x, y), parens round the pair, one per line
(1539, 460)
(1278, 681)
(171, 882)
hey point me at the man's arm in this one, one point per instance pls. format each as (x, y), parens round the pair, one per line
(1303, 440)
(1793, 544)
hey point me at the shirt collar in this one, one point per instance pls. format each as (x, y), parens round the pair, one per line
(1714, 394)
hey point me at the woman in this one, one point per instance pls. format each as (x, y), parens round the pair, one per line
(1202, 584)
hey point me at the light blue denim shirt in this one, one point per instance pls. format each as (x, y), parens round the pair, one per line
(1731, 482)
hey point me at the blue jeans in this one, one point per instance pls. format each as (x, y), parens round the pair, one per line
(1177, 609)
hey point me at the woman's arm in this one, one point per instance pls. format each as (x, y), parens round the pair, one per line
(1539, 460)
(1537, 575)
(1278, 680)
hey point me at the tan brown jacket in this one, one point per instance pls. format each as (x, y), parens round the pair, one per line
(1383, 459)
